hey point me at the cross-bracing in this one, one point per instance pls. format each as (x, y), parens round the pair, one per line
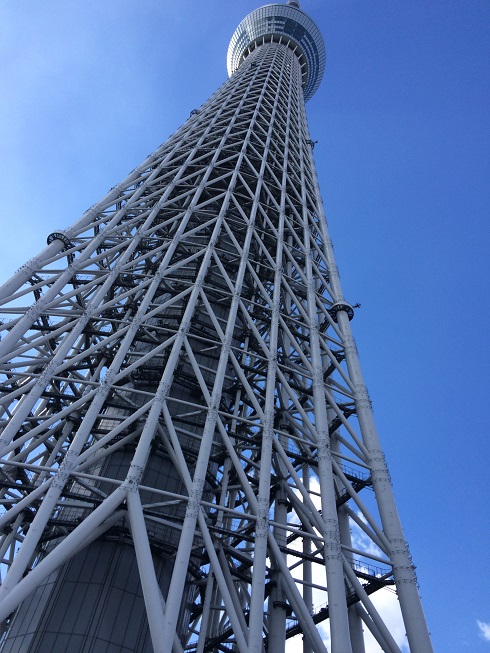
(185, 423)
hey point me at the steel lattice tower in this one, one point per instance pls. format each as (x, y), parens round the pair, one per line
(189, 458)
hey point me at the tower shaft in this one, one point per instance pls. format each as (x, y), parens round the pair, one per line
(186, 435)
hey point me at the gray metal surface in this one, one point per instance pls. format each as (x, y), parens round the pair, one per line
(285, 24)
(183, 408)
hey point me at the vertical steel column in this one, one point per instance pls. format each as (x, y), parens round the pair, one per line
(355, 624)
(403, 571)
(339, 623)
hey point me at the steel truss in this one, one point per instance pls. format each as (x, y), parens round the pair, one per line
(186, 387)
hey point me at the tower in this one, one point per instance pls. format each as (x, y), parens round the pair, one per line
(187, 441)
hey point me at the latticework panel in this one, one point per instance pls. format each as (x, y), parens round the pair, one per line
(185, 391)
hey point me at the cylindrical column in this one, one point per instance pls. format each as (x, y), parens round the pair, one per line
(403, 570)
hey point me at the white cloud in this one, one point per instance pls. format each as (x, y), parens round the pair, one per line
(484, 630)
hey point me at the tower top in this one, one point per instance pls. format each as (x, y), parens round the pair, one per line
(285, 24)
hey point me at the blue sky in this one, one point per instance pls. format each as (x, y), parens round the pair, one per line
(90, 88)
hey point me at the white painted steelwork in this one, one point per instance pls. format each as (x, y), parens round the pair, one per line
(188, 452)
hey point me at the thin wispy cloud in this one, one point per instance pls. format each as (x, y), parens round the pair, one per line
(484, 630)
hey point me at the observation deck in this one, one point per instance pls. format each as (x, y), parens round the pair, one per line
(285, 24)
